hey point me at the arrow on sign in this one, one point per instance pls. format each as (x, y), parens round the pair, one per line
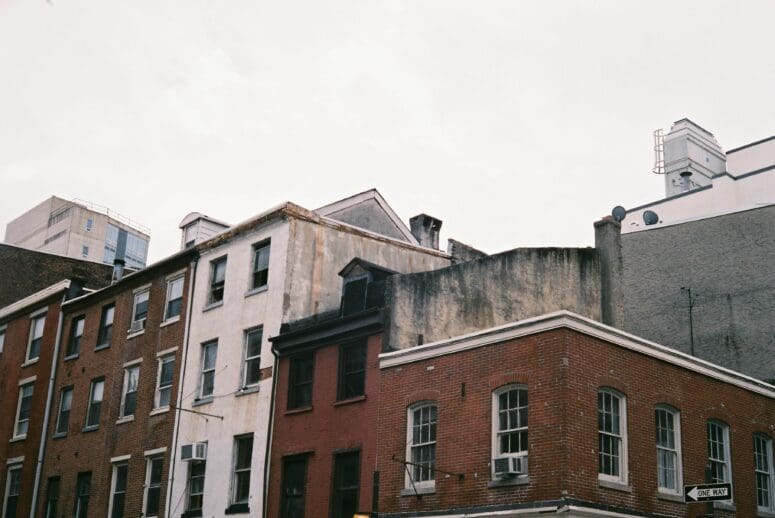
(707, 492)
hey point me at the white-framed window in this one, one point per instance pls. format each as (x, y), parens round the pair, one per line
(718, 452)
(82, 494)
(22, 423)
(251, 369)
(667, 422)
(76, 334)
(105, 332)
(195, 487)
(763, 467)
(260, 273)
(36, 337)
(612, 436)
(240, 477)
(509, 422)
(140, 309)
(118, 489)
(95, 403)
(129, 391)
(154, 466)
(13, 488)
(2, 338)
(52, 497)
(174, 298)
(217, 280)
(421, 445)
(89, 224)
(164, 376)
(207, 377)
(63, 416)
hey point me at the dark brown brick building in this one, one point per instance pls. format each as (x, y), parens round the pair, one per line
(112, 414)
(561, 415)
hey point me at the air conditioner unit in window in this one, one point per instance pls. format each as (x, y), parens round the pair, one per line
(510, 466)
(193, 452)
(137, 325)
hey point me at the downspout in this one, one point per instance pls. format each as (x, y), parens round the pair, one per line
(184, 355)
(267, 453)
(47, 411)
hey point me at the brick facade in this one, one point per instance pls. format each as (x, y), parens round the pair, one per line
(563, 370)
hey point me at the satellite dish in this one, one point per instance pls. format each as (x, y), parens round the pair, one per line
(619, 213)
(650, 217)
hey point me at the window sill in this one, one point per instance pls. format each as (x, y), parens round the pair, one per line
(617, 486)
(130, 334)
(159, 411)
(254, 291)
(725, 506)
(212, 306)
(60, 435)
(18, 438)
(356, 399)
(170, 321)
(191, 514)
(202, 401)
(509, 482)
(90, 429)
(71, 357)
(765, 514)
(125, 419)
(31, 362)
(673, 497)
(420, 490)
(237, 509)
(102, 347)
(292, 411)
(244, 391)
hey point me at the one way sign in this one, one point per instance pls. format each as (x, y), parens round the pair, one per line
(707, 492)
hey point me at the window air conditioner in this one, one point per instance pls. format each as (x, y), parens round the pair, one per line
(510, 466)
(137, 325)
(193, 452)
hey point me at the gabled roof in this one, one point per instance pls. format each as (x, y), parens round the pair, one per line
(366, 265)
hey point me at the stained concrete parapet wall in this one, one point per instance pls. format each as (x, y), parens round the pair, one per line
(521, 283)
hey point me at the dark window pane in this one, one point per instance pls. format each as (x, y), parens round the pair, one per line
(293, 487)
(354, 296)
(301, 381)
(346, 484)
(352, 370)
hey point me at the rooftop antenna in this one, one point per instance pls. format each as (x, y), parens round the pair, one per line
(659, 152)
(692, 299)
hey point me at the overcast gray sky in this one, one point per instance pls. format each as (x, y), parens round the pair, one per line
(516, 123)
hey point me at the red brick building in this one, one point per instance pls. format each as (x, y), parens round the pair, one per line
(112, 413)
(324, 432)
(562, 415)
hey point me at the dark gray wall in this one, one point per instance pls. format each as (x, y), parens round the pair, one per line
(371, 216)
(494, 290)
(729, 264)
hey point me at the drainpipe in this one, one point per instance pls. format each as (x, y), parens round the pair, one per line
(184, 356)
(267, 453)
(47, 411)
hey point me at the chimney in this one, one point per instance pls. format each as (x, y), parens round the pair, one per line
(426, 229)
(118, 261)
(686, 180)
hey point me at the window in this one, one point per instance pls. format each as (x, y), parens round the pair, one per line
(668, 437)
(174, 298)
(76, 333)
(140, 311)
(207, 381)
(153, 474)
(196, 487)
(129, 391)
(106, 326)
(300, 388)
(82, 490)
(36, 336)
(762, 452)
(718, 452)
(164, 381)
(190, 236)
(217, 280)
(2, 338)
(611, 420)
(52, 497)
(509, 418)
(294, 486)
(95, 402)
(13, 488)
(240, 483)
(354, 294)
(84, 251)
(65, 404)
(344, 498)
(352, 370)
(251, 372)
(421, 445)
(23, 411)
(260, 265)
(118, 489)
(89, 224)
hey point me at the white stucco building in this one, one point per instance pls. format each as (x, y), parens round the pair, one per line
(276, 267)
(719, 182)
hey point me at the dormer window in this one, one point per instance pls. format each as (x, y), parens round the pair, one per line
(363, 286)
(354, 294)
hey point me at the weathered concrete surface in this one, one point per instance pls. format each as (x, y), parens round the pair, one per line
(728, 262)
(494, 290)
(370, 216)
